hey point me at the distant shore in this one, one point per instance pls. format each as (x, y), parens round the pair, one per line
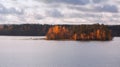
(40, 30)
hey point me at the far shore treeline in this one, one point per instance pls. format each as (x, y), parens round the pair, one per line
(41, 30)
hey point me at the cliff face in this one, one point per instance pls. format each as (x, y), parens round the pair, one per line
(82, 32)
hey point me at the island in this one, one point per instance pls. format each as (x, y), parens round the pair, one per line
(79, 32)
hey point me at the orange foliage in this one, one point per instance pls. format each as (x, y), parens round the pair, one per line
(60, 32)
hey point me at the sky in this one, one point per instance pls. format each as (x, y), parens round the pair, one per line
(60, 12)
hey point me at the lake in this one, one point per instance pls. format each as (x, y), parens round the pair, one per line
(21, 51)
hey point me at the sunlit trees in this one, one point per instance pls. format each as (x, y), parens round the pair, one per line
(91, 32)
(80, 32)
(58, 32)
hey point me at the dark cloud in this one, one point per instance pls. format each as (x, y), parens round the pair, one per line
(107, 8)
(54, 13)
(4, 10)
(75, 2)
(80, 5)
(38, 17)
(98, 1)
(79, 8)
(100, 8)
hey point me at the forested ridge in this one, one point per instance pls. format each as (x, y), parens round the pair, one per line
(41, 30)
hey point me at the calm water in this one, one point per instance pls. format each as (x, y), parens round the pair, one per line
(34, 52)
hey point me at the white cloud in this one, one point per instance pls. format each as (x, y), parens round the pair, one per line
(60, 11)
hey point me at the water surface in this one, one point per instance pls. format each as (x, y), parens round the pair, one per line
(35, 52)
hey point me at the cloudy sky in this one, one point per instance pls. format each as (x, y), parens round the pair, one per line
(59, 11)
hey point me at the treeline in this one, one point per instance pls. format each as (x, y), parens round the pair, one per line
(41, 30)
(79, 32)
(24, 30)
(115, 30)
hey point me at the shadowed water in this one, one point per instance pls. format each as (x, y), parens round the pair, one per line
(36, 52)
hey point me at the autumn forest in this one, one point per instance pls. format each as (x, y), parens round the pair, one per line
(80, 32)
(74, 32)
